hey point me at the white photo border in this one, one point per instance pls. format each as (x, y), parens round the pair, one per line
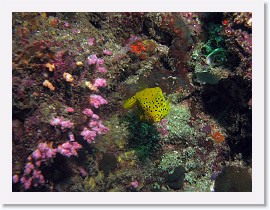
(257, 196)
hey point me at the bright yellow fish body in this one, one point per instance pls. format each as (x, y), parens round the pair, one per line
(151, 103)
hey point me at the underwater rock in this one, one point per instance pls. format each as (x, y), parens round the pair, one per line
(179, 124)
(176, 179)
(206, 77)
(234, 179)
(107, 163)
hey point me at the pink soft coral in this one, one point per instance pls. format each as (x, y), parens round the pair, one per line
(100, 82)
(97, 100)
(69, 148)
(88, 135)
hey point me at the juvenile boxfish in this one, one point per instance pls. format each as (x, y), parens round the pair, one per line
(151, 103)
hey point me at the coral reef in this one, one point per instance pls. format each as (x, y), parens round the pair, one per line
(187, 77)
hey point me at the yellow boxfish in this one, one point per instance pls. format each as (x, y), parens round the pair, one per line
(151, 103)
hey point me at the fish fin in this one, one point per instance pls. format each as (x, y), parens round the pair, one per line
(129, 103)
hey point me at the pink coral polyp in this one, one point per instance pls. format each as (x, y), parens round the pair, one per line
(88, 112)
(97, 100)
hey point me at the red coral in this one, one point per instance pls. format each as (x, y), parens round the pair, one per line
(217, 136)
(138, 47)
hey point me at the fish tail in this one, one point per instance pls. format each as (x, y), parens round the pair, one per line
(129, 103)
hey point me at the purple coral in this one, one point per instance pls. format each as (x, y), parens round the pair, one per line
(94, 60)
(42, 153)
(91, 41)
(101, 69)
(88, 112)
(97, 100)
(32, 175)
(63, 123)
(107, 52)
(69, 148)
(56, 121)
(100, 82)
(66, 124)
(88, 135)
(69, 109)
(35, 179)
(95, 127)
(15, 178)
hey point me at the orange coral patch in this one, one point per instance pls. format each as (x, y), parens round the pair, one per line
(137, 47)
(217, 136)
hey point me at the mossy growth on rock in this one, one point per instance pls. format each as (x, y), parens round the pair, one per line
(234, 179)
(179, 124)
(143, 137)
(169, 161)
